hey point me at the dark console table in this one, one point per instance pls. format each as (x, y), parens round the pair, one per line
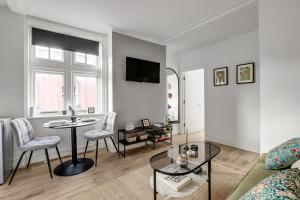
(155, 135)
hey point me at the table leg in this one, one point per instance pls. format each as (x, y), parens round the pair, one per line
(74, 166)
(209, 180)
(154, 184)
(74, 145)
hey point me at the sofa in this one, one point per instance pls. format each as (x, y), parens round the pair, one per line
(254, 176)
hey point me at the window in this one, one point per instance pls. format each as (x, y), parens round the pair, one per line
(59, 78)
(85, 91)
(83, 58)
(49, 91)
(48, 53)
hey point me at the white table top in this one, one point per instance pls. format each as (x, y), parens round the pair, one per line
(70, 124)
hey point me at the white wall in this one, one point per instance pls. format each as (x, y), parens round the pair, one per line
(279, 32)
(232, 111)
(11, 64)
(134, 101)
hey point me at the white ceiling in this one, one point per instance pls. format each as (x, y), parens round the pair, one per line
(180, 24)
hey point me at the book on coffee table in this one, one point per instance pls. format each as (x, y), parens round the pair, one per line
(175, 182)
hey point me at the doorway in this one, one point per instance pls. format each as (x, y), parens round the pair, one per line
(193, 100)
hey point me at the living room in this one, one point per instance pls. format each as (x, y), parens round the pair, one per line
(79, 122)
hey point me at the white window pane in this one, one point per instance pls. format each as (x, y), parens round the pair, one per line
(85, 92)
(49, 92)
(91, 59)
(42, 52)
(56, 54)
(80, 57)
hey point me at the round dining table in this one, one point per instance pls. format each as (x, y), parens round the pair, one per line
(76, 165)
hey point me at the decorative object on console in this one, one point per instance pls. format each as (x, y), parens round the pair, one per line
(129, 127)
(146, 123)
(221, 76)
(245, 73)
(91, 109)
(284, 155)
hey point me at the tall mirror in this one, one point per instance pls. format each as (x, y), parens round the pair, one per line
(172, 95)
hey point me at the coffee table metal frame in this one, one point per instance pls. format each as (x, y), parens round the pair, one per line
(208, 161)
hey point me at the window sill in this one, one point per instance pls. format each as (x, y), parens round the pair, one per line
(64, 116)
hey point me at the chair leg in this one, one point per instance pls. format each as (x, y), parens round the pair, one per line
(114, 145)
(58, 155)
(20, 159)
(48, 161)
(96, 153)
(86, 146)
(29, 159)
(105, 144)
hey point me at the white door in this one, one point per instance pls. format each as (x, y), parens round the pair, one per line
(194, 100)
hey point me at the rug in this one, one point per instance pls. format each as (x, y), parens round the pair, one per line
(135, 185)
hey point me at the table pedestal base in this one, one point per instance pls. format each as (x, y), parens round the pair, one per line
(70, 169)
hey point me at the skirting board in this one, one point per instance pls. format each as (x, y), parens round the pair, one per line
(231, 143)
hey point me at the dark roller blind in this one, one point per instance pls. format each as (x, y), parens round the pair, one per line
(65, 42)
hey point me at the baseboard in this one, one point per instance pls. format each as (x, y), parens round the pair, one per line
(231, 143)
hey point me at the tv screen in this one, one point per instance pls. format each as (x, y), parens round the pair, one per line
(142, 71)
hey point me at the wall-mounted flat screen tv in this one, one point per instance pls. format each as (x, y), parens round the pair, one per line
(142, 70)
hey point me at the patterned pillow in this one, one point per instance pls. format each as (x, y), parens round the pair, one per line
(283, 185)
(284, 155)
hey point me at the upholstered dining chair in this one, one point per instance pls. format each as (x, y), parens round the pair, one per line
(106, 132)
(27, 142)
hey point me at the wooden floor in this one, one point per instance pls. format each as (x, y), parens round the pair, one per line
(35, 183)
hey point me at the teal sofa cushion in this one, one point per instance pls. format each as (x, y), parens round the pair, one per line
(284, 155)
(283, 185)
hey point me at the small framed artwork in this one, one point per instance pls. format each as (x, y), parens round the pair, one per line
(221, 76)
(145, 122)
(245, 73)
(91, 109)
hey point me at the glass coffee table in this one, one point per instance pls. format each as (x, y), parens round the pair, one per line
(165, 162)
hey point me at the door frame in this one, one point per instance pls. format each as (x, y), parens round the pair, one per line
(182, 97)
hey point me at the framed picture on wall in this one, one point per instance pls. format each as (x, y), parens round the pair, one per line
(221, 76)
(245, 73)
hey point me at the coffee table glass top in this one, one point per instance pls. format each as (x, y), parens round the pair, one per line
(166, 162)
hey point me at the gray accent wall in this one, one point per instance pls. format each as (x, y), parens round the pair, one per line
(11, 64)
(134, 101)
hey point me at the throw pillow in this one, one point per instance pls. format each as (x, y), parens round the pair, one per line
(284, 155)
(283, 185)
(296, 164)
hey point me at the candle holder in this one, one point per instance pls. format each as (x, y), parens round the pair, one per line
(186, 148)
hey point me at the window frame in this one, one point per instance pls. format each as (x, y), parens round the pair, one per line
(33, 74)
(99, 105)
(33, 57)
(32, 63)
(85, 58)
